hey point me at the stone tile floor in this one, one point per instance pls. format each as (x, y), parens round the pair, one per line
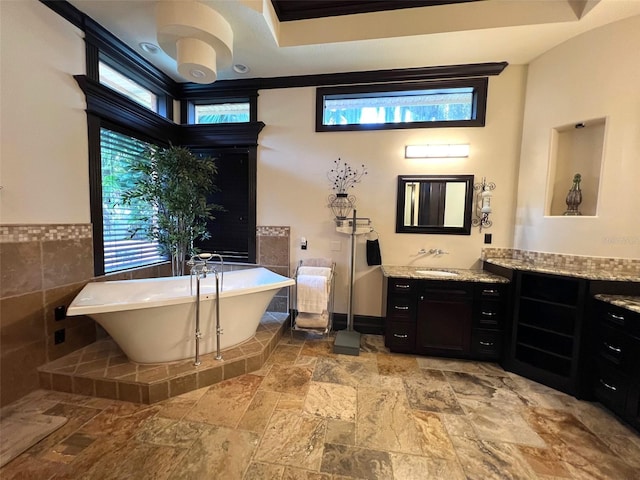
(311, 414)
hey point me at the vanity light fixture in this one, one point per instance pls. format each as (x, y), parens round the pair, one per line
(483, 204)
(452, 150)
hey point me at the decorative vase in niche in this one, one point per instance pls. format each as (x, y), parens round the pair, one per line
(341, 205)
(574, 197)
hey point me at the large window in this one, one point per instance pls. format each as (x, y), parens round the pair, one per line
(406, 105)
(123, 250)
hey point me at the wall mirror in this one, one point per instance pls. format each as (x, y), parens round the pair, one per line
(437, 204)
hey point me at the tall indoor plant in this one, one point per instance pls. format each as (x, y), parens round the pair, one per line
(176, 183)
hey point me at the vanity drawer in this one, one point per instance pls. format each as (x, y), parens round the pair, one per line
(617, 348)
(400, 336)
(489, 314)
(495, 292)
(486, 344)
(619, 318)
(611, 387)
(401, 285)
(401, 307)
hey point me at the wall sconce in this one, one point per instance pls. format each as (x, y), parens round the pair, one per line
(437, 151)
(483, 204)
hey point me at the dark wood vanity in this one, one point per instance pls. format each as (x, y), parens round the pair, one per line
(574, 332)
(460, 318)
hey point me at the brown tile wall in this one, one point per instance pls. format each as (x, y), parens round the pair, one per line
(43, 267)
(273, 252)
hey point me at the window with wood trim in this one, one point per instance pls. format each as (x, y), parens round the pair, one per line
(124, 247)
(445, 103)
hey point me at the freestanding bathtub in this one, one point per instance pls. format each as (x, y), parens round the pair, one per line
(153, 320)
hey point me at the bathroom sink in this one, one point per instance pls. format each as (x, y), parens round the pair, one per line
(437, 273)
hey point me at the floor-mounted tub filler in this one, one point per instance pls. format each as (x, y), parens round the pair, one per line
(152, 320)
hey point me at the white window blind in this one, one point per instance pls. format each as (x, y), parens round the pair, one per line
(121, 250)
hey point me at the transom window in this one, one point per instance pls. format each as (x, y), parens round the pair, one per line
(222, 113)
(124, 85)
(407, 105)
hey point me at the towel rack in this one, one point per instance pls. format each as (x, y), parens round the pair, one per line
(315, 322)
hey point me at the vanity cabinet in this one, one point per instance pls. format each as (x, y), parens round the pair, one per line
(616, 382)
(445, 318)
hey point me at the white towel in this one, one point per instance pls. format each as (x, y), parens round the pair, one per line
(312, 320)
(323, 271)
(313, 293)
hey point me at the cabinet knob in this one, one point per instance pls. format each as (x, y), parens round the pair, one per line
(489, 314)
(402, 285)
(401, 307)
(486, 344)
(612, 348)
(606, 385)
(397, 335)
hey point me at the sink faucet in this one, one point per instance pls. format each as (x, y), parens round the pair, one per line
(437, 251)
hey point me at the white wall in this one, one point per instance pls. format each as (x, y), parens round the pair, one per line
(43, 126)
(591, 76)
(292, 188)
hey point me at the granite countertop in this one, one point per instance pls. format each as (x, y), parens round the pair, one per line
(588, 274)
(624, 301)
(458, 274)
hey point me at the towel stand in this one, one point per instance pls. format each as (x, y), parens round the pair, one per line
(321, 323)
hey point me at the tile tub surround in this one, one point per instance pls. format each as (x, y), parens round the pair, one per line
(592, 268)
(103, 370)
(43, 267)
(311, 414)
(273, 252)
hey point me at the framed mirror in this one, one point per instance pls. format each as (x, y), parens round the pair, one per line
(436, 204)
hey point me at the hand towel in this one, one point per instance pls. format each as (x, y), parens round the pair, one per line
(313, 293)
(373, 253)
(322, 271)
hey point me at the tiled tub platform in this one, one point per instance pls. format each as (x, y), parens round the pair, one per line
(103, 370)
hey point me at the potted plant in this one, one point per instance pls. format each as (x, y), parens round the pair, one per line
(176, 183)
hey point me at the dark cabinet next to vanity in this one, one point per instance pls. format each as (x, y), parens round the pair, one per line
(616, 381)
(547, 330)
(445, 317)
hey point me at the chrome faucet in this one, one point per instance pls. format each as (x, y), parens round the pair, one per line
(437, 251)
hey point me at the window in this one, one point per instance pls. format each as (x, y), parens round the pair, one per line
(121, 250)
(124, 85)
(222, 113)
(449, 103)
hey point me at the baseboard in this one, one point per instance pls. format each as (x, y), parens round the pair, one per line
(361, 323)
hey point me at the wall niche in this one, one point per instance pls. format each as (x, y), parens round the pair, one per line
(576, 148)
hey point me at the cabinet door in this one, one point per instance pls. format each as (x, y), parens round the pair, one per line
(444, 322)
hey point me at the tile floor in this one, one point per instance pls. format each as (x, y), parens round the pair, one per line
(311, 414)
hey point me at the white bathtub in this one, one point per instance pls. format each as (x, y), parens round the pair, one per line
(153, 320)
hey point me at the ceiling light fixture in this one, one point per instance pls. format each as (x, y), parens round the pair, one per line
(197, 37)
